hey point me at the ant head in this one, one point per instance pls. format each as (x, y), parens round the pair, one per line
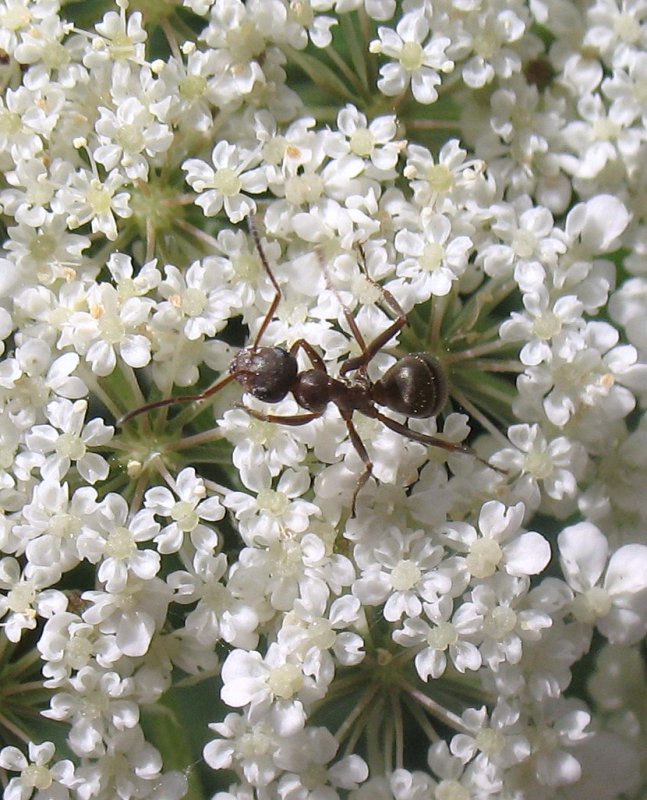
(267, 373)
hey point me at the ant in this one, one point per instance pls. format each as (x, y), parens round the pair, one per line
(415, 386)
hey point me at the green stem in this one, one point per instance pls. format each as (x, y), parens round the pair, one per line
(422, 720)
(17, 731)
(95, 387)
(489, 295)
(486, 365)
(356, 50)
(432, 125)
(398, 728)
(475, 412)
(500, 391)
(21, 688)
(443, 714)
(438, 308)
(473, 352)
(349, 723)
(374, 718)
(320, 74)
(196, 440)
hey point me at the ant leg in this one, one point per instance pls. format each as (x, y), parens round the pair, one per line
(373, 347)
(171, 401)
(315, 359)
(434, 441)
(424, 438)
(388, 298)
(289, 419)
(362, 452)
(368, 350)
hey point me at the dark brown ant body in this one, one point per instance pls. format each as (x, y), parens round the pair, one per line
(414, 386)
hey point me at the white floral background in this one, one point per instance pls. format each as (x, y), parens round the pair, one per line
(199, 600)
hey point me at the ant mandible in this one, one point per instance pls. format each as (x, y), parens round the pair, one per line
(415, 386)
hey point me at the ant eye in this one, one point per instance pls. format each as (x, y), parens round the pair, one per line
(267, 373)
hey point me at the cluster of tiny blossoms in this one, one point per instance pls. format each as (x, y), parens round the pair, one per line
(204, 601)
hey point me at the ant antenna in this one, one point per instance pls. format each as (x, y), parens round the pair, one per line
(251, 222)
(189, 398)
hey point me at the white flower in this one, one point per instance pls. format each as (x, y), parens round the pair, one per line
(66, 441)
(556, 751)
(493, 30)
(196, 300)
(128, 136)
(111, 537)
(250, 747)
(374, 140)
(86, 198)
(454, 775)
(302, 19)
(131, 281)
(44, 255)
(186, 513)
(614, 30)
(133, 760)
(529, 242)
(289, 569)
(401, 572)
(550, 466)
(109, 328)
(306, 758)
(219, 612)
(314, 633)
(609, 592)
(28, 119)
(272, 685)
(68, 644)
(440, 182)
(500, 545)
(227, 182)
(446, 635)
(498, 736)
(258, 442)
(51, 523)
(134, 625)
(27, 596)
(598, 223)
(416, 63)
(436, 258)
(591, 374)
(502, 622)
(545, 322)
(36, 185)
(56, 779)
(273, 512)
(96, 700)
(623, 90)
(123, 38)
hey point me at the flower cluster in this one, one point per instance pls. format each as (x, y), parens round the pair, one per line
(333, 593)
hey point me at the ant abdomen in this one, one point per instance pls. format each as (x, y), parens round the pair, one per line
(267, 373)
(415, 386)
